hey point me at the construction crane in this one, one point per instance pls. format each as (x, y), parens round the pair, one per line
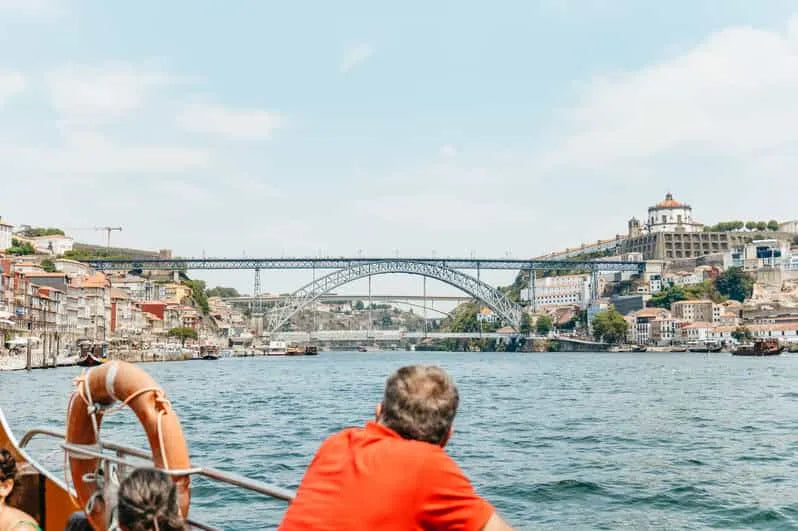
(107, 230)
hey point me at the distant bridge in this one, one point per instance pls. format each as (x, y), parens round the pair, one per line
(347, 270)
(386, 335)
(182, 264)
(332, 297)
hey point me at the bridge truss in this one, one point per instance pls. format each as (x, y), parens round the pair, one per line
(182, 264)
(493, 298)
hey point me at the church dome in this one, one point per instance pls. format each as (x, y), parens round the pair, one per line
(669, 202)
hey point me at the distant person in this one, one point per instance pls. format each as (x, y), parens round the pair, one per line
(147, 500)
(11, 519)
(394, 474)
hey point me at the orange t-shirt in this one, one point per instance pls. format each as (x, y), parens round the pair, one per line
(371, 478)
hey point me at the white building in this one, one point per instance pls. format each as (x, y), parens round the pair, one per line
(5, 235)
(72, 267)
(770, 253)
(671, 216)
(55, 244)
(567, 290)
(789, 226)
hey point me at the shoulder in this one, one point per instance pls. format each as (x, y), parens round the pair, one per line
(22, 521)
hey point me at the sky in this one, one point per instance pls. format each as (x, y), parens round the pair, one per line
(413, 128)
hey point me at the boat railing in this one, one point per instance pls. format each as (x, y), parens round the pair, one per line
(123, 451)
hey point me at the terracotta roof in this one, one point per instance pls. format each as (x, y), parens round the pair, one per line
(96, 280)
(670, 202)
(651, 312)
(698, 324)
(41, 274)
(117, 293)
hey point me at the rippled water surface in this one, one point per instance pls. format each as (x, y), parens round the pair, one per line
(555, 441)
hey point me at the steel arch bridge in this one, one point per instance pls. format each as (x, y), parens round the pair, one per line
(493, 298)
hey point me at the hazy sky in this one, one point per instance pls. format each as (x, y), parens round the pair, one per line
(306, 128)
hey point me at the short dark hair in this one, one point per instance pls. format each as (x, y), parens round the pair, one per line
(148, 496)
(420, 403)
(8, 465)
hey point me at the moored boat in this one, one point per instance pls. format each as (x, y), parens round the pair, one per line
(760, 347)
(276, 348)
(311, 350)
(705, 346)
(209, 352)
(294, 350)
(92, 353)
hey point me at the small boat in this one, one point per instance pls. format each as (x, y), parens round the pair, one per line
(678, 348)
(91, 353)
(368, 348)
(294, 350)
(311, 350)
(209, 352)
(276, 348)
(639, 348)
(621, 348)
(46, 496)
(705, 346)
(760, 347)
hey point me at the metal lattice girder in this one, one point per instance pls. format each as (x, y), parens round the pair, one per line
(181, 264)
(493, 298)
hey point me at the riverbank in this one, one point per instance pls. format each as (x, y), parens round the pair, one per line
(18, 362)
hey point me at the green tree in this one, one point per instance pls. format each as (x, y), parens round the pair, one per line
(609, 326)
(35, 232)
(198, 294)
(742, 334)
(750, 225)
(526, 323)
(359, 305)
(761, 226)
(543, 325)
(795, 240)
(20, 248)
(183, 333)
(48, 265)
(464, 318)
(219, 291)
(735, 283)
(668, 296)
(773, 225)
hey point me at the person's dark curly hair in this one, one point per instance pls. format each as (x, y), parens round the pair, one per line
(147, 500)
(8, 465)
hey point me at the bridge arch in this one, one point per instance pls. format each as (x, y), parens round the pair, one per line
(490, 296)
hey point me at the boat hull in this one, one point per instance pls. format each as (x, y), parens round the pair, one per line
(89, 361)
(37, 492)
(746, 352)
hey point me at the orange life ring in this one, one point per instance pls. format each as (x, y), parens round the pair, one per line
(102, 386)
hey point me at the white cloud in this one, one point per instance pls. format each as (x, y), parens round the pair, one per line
(94, 153)
(250, 124)
(96, 94)
(11, 83)
(448, 151)
(732, 95)
(31, 7)
(355, 56)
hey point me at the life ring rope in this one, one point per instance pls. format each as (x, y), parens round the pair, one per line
(96, 411)
(162, 404)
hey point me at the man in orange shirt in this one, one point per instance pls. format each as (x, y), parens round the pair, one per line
(394, 474)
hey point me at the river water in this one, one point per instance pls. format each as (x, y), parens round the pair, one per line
(555, 441)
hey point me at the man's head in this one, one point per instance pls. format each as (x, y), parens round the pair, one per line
(420, 403)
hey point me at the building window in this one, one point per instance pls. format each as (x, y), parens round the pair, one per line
(664, 218)
(679, 218)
